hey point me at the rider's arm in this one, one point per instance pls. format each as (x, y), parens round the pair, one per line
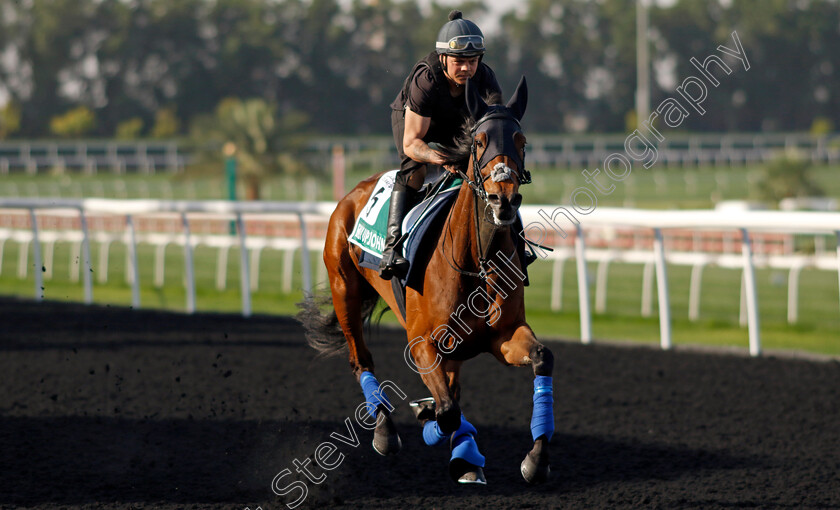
(415, 148)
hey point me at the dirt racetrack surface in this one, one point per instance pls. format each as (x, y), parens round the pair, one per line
(113, 408)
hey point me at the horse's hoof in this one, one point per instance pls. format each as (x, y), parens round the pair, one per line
(386, 439)
(423, 409)
(463, 472)
(387, 445)
(448, 419)
(533, 471)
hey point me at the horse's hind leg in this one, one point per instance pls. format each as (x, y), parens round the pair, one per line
(353, 298)
(523, 349)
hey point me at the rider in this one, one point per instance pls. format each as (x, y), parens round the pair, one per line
(429, 109)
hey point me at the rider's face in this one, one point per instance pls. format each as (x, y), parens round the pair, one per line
(460, 69)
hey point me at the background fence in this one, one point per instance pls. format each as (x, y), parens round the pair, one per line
(569, 151)
(696, 239)
(90, 156)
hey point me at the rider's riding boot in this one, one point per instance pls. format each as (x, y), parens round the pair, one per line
(393, 263)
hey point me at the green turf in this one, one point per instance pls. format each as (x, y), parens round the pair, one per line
(817, 330)
(657, 188)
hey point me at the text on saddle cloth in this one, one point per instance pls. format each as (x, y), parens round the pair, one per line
(371, 226)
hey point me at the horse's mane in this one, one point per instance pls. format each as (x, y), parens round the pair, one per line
(459, 154)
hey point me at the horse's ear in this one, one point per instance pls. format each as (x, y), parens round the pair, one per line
(519, 100)
(475, 104)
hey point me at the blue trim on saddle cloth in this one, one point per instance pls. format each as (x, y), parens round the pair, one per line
(416, 222)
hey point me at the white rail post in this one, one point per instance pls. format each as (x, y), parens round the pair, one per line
(557, 284)
(188, 264)
(793, 294)
(743, 320)
(304, 251)
(256, 253)
(160, 264)
(601, 286)
(49, 252)
(694, 291)
(87, 277)
(751, 294)
(36, 254)
(244, 267)
(74, 261)
(662, 288)
(104, 255)
(583, 288)
(135, 270)
(221, 268)
(647, 293)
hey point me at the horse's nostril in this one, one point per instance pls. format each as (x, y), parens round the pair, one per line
(494, 198)
(516, 201)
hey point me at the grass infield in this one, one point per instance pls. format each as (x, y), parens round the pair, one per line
(817, 329)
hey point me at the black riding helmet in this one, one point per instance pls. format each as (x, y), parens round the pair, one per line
(460, 37)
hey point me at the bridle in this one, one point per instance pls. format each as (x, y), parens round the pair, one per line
(503, 130)
(510, 127)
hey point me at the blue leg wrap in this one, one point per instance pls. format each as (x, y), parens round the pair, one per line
(370, 386)
(432, 435)
(542, 421)
(464, 445)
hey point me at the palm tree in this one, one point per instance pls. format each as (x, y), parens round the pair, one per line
(788, 175)
(265, 143)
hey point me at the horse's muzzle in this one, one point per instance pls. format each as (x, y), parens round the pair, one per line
(504, 208)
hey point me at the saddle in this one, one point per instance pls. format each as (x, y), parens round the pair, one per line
(436, 197)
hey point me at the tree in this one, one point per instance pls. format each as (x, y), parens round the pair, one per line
(787, 176)
(75, 123)
(557, 45)
(265, 143)
(791, 47)
(167, 124)
(342, 62)
(45, 38)
(129, 129)
(9, 119)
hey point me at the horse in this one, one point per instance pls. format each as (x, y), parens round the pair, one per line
(470, 300)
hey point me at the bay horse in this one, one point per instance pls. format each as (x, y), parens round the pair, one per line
(470, 300)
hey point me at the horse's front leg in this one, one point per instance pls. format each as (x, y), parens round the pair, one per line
(427, 361)
(523, 349)
(466, 463)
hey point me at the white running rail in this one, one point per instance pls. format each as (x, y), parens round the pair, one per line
(131, 209)
(548, 218)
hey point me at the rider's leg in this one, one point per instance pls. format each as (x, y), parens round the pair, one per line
(407, 183)
(409, 178)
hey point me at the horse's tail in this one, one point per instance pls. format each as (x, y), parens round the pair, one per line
(323, 332)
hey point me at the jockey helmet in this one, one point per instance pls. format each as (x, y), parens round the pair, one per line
(460, 37)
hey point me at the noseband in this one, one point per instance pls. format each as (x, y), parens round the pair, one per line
(499, 142)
